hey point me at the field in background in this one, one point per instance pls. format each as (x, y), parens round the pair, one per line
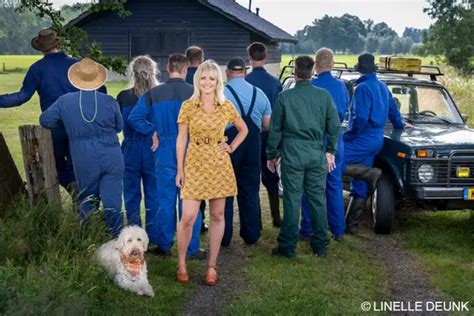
(442, 241)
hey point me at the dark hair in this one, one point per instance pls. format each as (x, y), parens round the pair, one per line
(194, 54)
(304, 67)
(176, 62)
(257, 51)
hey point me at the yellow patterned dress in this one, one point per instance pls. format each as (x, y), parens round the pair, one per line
(208, 172)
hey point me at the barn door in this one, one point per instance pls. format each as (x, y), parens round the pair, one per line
(159, 46)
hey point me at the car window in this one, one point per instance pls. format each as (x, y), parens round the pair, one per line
(425, 104)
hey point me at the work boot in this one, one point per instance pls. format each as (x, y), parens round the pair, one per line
(274, 200)
(354, 213)
(369, 175)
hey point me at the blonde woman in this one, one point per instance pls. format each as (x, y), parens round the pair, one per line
(137, 148)
(204, 168)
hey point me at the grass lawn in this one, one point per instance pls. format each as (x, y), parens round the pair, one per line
(444, 241)
(46, 268)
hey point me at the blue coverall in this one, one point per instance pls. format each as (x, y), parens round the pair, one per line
(48, 76)
(372, 105)
(271, 86)
(157, 110)
(334, 190)
(139, 166)
(190, 75)
(252, 105)
(92, 121)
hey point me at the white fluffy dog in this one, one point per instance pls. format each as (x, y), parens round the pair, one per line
(124, 260)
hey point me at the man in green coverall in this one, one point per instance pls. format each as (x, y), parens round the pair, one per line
(302, 117)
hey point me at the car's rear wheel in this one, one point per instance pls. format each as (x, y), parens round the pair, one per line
(383, 205)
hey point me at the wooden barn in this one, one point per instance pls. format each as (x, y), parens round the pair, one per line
(223, 28)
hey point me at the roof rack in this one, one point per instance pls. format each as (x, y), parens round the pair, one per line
(432, 74)
(342, 67)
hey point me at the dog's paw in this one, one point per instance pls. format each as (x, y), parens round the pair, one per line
(148, 291)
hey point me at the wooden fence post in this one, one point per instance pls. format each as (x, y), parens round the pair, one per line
(40, 166)
(11, 183)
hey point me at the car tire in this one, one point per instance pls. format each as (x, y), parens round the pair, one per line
(383, 205)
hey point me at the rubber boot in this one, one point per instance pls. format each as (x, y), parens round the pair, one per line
(369, 175)
(274, 201)
(354, 213)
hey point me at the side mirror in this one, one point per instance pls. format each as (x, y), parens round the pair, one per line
(465, 117)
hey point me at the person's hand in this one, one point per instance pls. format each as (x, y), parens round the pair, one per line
(407, 125)
(180, 179)
(225, 147)
(331, 162)
(272, 165)
(156, 142)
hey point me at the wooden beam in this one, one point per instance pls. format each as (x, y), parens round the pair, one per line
(40, 166)
(11, 183)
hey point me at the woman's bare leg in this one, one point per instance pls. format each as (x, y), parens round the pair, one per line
(216, 228)
(185, 230)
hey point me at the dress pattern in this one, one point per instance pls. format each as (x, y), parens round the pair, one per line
(208, 172)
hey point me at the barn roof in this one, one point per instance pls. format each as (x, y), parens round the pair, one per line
(249, 20)
(235, 12)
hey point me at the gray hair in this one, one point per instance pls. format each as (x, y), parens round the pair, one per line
(143, 71)
(324, 58)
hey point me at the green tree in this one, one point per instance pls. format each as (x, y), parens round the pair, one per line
(371, 44)
(383, 30)
(385, 46)
(75, 40)
(451, 34)
(17, 29)
(413, 33)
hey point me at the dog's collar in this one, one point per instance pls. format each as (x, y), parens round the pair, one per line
(133, 266)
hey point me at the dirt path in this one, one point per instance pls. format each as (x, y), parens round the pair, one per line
(212, 300)
(407, 279)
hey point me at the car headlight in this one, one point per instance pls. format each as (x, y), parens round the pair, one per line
(425, 173)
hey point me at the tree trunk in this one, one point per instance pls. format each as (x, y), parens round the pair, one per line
(11, 183)
(40, 166)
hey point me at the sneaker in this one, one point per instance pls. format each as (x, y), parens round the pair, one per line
(158, 251)
(323, 253)
(338, 237)
(201, 254)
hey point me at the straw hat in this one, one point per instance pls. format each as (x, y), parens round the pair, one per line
(87, 75)
(45, 40)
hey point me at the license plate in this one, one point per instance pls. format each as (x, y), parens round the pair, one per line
(463, 172)
(469, 194)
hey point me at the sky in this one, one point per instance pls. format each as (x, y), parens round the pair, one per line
(292, 15)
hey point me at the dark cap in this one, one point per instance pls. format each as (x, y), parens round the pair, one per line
(366, 64)
(237, 64)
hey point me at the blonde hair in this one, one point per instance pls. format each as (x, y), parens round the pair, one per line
(212, 68)
(324, 58)
(143, 71)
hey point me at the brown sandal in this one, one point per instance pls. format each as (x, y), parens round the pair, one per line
(211, 278)
(182, 277)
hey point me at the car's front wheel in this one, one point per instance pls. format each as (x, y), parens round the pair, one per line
(383, 205)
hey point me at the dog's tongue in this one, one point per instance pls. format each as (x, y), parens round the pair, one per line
(135, 252)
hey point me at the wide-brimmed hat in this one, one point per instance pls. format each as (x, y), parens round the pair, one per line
(87, 75)
(45, 40)
(366, 64)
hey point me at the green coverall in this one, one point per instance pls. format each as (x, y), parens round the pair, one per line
(301, 118)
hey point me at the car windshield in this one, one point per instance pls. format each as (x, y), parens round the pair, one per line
(424, 104)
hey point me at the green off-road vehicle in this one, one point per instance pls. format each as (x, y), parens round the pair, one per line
(429, 166)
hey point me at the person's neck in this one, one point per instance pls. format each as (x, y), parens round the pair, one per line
(176, 75)
(50, 51)
(256, 64)
(195, 65)
(208, 98)
(236, 76)
(321, 70)
(297, 79)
